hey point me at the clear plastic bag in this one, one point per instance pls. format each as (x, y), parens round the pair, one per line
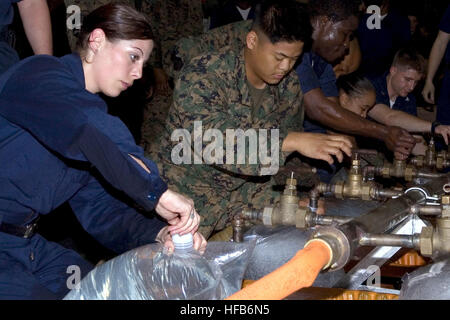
(151, 273)
(430, 282)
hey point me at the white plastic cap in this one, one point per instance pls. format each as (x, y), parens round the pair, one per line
(183, 242)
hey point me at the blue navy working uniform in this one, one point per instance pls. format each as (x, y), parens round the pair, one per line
(315, 73)
(8, 56)
(58, 144)
(443, 103)
(406, 104)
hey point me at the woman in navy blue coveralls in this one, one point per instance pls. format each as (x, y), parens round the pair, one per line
(58, 144)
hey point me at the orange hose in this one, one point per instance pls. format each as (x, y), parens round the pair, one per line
(299, 272)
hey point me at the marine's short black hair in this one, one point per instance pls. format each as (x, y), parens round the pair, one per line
(283, 20)
(335, 10)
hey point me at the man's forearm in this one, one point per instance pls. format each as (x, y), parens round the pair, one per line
(37, 25)
(436, 55)
(389, 117)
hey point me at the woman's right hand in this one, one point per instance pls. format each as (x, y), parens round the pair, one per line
(179, 212)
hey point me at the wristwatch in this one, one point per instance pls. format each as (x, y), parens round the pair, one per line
(434, 125)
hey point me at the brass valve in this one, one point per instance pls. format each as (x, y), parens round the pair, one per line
(436, 241)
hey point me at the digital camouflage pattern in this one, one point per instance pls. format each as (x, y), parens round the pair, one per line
(212, 88)
(187, 48)
(86, 6)
(171, 20)
(184, 49)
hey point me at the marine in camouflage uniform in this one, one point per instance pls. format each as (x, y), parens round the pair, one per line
(171, 20)
(86, 6)
(212, 88)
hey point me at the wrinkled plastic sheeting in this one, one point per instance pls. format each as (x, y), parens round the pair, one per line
(431, 282)
(277, 245)
(150, 273)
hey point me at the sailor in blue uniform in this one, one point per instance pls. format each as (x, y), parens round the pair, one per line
(59, 144)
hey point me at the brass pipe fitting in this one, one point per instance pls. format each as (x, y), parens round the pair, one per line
(436, 241)
(432, 160)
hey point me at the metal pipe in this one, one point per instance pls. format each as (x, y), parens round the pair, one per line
(426, 210)
(378, 221)
(392, 212)
(252, 214)
(429, 175)
(238, 225)
(388, 193)
(390, 240)
(326, 220)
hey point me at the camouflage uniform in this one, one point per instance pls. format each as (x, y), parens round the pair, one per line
(86, 6)
(171, 20)
(213, 89)
(232, 34)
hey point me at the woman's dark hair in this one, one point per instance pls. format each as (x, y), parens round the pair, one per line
(283, 20)
(354, 84)
(118, 22)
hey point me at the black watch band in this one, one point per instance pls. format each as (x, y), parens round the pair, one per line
(434, 125)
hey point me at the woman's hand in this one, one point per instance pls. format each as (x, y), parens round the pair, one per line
(179, 212)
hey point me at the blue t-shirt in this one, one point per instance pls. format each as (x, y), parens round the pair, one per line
(445, 26)
(314, 72)
(58, 144)
(407, 104)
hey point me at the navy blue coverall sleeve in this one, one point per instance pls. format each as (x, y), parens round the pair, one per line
(112, 222)
(74, 123)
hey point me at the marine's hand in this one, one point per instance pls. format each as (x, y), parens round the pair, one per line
(179, 212)
(319, 146)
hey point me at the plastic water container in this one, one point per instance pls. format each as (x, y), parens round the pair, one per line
(150, 272)
(184, 243)
(186, 274)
